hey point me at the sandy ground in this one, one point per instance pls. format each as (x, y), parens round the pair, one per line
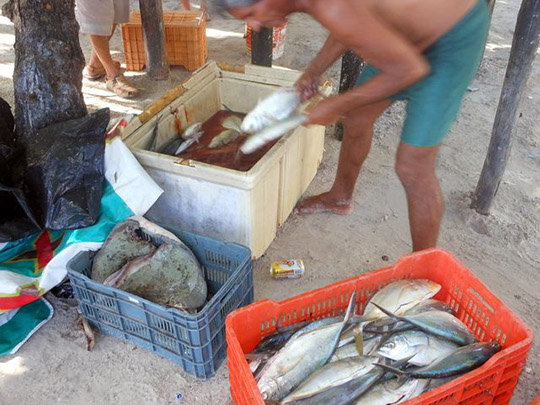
(503, 249)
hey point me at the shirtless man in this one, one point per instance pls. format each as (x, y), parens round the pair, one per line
(422, 51)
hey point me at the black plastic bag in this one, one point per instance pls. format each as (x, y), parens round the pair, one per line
(55, 180)
(64, 176)
(7, 142)
(16, 218)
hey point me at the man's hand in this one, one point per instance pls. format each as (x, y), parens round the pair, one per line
(326, 112)
(308, 85)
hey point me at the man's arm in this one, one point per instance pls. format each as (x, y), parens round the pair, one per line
(308, 83)
(329, 53)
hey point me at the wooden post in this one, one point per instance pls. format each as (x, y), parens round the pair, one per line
(524, 45)
(350, 68)
(157, 66)
(47, 78)
(261, 47)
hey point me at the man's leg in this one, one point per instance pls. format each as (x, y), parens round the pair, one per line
(354, 150)
(415, 166)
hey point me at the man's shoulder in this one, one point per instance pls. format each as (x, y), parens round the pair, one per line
(333, 12)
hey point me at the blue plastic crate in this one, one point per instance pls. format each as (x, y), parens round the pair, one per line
(195, 342)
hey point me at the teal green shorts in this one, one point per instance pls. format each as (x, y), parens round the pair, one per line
(433, 102)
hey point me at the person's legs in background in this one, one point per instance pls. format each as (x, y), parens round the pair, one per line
(204, 7)
(186, 4)
(94, 69)
(97, 19)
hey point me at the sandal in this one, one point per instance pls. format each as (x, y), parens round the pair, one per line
(121, 86)
(97, 72)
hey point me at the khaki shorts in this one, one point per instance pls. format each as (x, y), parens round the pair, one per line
(97, 17)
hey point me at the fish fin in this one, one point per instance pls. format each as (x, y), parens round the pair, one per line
(348, 314)
(350, 309)
(402, 362)
(358, 319)
(359, 343)
(382, 342)
(256, 356)
(386, 312)
(402, 379)
(390, 369)
(379, 332)
(399, 400)
(428, 385)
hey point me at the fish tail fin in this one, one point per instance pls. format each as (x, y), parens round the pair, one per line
(387, 312)
(383, 340)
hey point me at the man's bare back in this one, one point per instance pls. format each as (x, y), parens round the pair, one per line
(421, 21)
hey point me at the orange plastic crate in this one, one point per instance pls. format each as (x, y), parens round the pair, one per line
(484, 313)
(185, 38)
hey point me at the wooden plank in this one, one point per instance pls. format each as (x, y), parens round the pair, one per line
(231, 68)
(524, 45)
(350, 69)
(157, 66)
(261, 47)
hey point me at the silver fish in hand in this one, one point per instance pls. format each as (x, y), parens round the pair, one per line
(278, 106)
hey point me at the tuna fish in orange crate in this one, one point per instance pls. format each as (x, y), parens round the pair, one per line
(402, 332)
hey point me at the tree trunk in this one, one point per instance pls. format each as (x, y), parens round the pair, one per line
(350, 68)
(261, 47)
(157, 66)
(524, 45)
(48, 63)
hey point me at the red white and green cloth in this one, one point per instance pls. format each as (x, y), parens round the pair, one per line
(31, 266)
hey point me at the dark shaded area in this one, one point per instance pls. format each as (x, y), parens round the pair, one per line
(63, 179)
(16, 218)
(54, 179)
(261, 47)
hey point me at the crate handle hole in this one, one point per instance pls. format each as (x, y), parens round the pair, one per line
(477, 295)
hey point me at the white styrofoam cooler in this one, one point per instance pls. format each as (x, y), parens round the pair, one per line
(229, 205)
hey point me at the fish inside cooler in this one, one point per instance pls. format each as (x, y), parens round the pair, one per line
(230, 139)
(217, 142)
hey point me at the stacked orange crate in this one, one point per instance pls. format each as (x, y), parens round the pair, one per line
(185, 37)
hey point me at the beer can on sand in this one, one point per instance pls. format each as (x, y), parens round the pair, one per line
(287, 269)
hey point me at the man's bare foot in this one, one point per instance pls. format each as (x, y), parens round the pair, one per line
(324, 203)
